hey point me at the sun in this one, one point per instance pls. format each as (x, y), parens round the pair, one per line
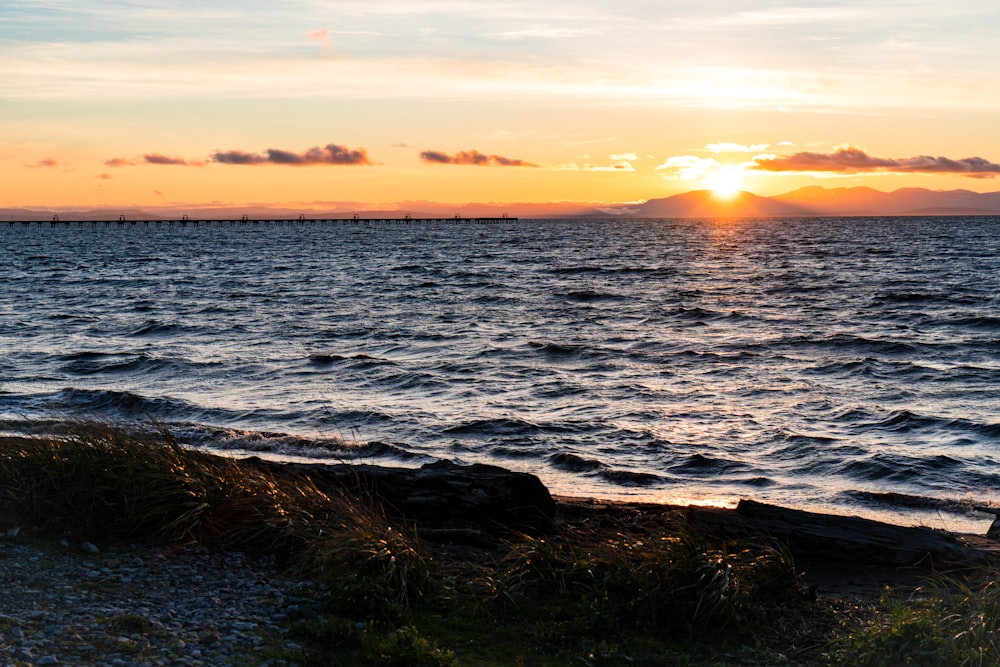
(726, 181)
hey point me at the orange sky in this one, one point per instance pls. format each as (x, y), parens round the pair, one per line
(313, 102)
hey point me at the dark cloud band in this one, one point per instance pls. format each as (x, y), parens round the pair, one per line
(473, 158)
(852, 159)
(157, 158)
(330, 154)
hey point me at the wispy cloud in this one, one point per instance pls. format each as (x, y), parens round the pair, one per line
(323, 37)
(622, 167)
(475, 158)
(158, 158)
(153, 158)
(331, 154)
(727, 147)
(46, 163)
(688, 167)
(785, 16)
(543, 32)
(853, 160)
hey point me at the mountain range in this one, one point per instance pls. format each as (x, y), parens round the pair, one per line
(818, 201)
(807, 201)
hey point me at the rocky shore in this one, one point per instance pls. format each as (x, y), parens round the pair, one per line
(74, 604)
(443, 565)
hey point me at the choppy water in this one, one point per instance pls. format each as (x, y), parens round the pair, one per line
(828, 363)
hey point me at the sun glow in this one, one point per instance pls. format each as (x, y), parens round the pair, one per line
(726, 181)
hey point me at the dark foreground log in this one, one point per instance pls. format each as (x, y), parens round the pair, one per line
(835, 537)
(438, 493)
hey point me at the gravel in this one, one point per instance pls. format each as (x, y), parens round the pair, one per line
(78, 604)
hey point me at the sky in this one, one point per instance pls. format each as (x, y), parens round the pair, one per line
(376, 103)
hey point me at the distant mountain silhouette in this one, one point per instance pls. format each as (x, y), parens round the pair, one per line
(808, 201)
(905, 201)
(815, 200)
(706, 204)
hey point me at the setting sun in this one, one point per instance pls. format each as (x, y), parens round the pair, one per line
(726, 181)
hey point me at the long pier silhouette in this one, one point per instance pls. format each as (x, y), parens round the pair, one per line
(246, 221)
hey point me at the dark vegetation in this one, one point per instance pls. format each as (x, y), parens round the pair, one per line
(639, 588)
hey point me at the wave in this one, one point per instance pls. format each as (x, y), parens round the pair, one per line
(652, 273)
(906, 421)
(986, 323)
(965, 506)
(560, 350)
(504, 426)
(119, 404)
(155, 328)
(894, 297)
(899, 468)
(630, 477)
(262, 442)
(97, 364)
(704, 464)
(573, 462)
(319, 359)
(863, 344)
(590, 296)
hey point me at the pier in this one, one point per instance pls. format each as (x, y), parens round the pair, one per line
(246, 221)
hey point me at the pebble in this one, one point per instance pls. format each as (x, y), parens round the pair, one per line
(138, 605)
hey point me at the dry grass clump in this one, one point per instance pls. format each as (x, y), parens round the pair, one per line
(678, 584)
(946, 623)
(107, 484)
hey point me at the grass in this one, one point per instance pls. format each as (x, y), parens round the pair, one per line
(578, 594)
(948, 623)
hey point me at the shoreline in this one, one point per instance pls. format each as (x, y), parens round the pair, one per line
(838, 547)
(443, 564)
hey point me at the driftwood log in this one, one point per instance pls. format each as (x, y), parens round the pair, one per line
(835, 537)
(445, 497)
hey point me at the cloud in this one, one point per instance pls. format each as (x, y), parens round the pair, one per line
(544, 32)
(624, 157)
(623, 166)
(104, 177)
(238, 157)
(157, 158)
(727, 147)
(323, 37)
(46, 163)
(852, 160)
(688, 167)
(119, 162)
(328, 155)
(474, 158)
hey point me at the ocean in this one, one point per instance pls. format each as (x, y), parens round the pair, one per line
(835, 364)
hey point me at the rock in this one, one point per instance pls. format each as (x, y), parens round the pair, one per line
(89, 548)
(437, 492)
